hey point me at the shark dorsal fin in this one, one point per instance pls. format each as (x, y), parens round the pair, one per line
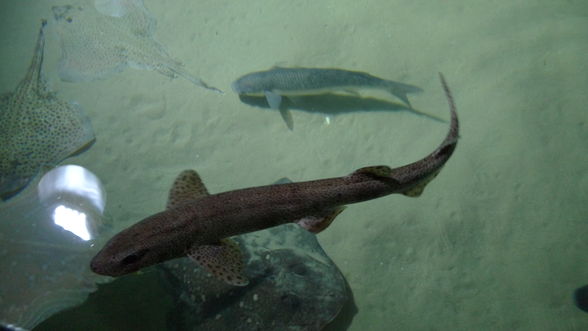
(187, 186)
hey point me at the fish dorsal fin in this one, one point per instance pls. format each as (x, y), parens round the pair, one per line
(378, 171)
(223, 260)
(187, 186)
(316, 224)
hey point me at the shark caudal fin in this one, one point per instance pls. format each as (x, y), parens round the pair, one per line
(413, 178)
(222, 259)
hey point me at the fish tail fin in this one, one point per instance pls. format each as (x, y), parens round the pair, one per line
(400, 91)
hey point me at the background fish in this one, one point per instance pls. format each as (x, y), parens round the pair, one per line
(278, 82)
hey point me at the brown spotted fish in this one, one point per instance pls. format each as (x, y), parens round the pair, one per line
(37, 129)
(198, 225)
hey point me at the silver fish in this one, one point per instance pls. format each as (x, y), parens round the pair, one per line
(278, 82)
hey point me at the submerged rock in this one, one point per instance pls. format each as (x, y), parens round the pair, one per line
(293, 286)
(581, 298)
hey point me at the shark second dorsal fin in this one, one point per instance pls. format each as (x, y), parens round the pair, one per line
(187, 186)
(223, 260)
(378, 171)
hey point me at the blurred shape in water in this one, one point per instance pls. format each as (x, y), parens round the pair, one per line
(106, 38)
(45, 251)
(581, 298)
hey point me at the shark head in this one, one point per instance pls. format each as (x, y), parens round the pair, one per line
(139, 246)
(112, 261)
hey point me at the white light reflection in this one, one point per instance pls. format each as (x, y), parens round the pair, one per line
(74, 180)
(75, 197)
(72, 221)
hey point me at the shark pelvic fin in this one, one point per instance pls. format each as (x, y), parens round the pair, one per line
(316, 224)
(187, 186)
(417, 190)
(223, 260)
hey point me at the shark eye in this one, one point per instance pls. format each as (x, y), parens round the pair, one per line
(133, 258)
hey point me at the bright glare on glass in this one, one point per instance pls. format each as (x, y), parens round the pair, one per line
(74, 180)
(72, 221)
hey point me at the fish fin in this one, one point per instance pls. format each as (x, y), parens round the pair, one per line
(187, 186)
(378, 171)
(274, 100)
(223, 260)
(418, 189)
(316, 224)
(400, 90)
(351, 92)
(283, 180)
(287, 117)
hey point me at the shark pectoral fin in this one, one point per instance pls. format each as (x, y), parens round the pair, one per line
(287, 117)
(378, 171)
(223, 260)
(273, 99)
(316, 224)
(418, 189)
(187, 186)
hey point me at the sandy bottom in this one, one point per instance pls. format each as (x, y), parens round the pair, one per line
(497, 241)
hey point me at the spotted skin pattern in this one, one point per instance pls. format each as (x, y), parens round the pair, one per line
(37, 129)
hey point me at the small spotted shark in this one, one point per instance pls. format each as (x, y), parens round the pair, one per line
(198, 225)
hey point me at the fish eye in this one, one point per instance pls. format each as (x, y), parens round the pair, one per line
(133, 258)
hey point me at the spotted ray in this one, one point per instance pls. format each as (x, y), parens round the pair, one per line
(36, 128)
(293, 285)
(106, 38)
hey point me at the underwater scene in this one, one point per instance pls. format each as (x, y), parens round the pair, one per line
(293, 165)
